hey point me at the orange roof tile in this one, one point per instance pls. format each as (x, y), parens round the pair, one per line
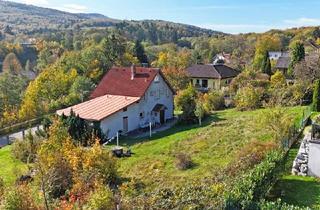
(101, 107)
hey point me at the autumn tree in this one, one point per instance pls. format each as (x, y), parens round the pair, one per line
(11, 64)
(316, 97)
(140, 53)
(308, 70)
(297, 55)
(49, 52)
(186, 102)
(278, 80)
(248, 98)
(174, 66)
(264, 44)
(266, 65)
(200, 109)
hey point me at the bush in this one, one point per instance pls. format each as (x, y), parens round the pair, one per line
(186, 102)
(250, 155)
(101, 199)
(254, 185)
(19, 198)
(316, 97)
(194, 195)
(183, 161)
(248, 98)
(25, 150)
(214, 100)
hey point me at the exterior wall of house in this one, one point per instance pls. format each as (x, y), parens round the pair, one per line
(274, 55)
(213, 84)
(140, 114)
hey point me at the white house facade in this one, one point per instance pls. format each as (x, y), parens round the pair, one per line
(143, 98)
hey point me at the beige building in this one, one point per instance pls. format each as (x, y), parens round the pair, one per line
(211, 77)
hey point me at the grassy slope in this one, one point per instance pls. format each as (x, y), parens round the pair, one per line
(297, 190)
(211, 147)
(9, 166)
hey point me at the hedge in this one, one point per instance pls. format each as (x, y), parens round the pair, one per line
(253, 186)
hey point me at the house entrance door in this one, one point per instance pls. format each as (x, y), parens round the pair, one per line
(162, 116)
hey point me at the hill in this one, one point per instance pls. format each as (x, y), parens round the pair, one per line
(18, 19)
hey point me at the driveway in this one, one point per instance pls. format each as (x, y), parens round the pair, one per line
(314, 160)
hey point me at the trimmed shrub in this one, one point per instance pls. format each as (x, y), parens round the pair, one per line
(183, 161)
(254, 185)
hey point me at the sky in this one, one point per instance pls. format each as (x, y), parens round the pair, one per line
(231, 16)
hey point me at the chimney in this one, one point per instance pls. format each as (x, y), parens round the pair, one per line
(133, 71)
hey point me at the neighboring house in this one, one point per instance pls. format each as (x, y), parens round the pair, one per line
(275, 55)
(210, 76)
(127, 99)
(222, 58)
(283, 64)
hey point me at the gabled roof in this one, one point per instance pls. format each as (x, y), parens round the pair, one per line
(283, 62)
(211, 71)
(101, 107)
(117, 81)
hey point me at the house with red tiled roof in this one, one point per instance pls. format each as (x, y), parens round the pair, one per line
(126, 99)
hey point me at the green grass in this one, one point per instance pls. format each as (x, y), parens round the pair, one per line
(10, 167)
(212, 147)
(297, 190)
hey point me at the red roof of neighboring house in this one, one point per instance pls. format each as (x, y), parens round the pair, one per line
(117, 81)
(101, 107)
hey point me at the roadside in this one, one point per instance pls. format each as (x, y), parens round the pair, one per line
(296, 190)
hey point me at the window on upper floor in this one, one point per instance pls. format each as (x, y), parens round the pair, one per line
(125, 109)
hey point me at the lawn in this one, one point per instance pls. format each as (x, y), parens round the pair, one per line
(9, 166)
(297, 190)
(212, 147)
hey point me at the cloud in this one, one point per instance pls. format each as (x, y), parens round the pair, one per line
(74, 8)
(34, 2)
(237, 28)
(303, 21)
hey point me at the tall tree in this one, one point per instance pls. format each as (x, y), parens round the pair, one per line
(11, 64)
(140, 53)
(316, 97)
(266, 65)
(265, 43)
(297, 55)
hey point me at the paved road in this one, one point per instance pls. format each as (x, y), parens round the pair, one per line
(314, 160)
(15, 136)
